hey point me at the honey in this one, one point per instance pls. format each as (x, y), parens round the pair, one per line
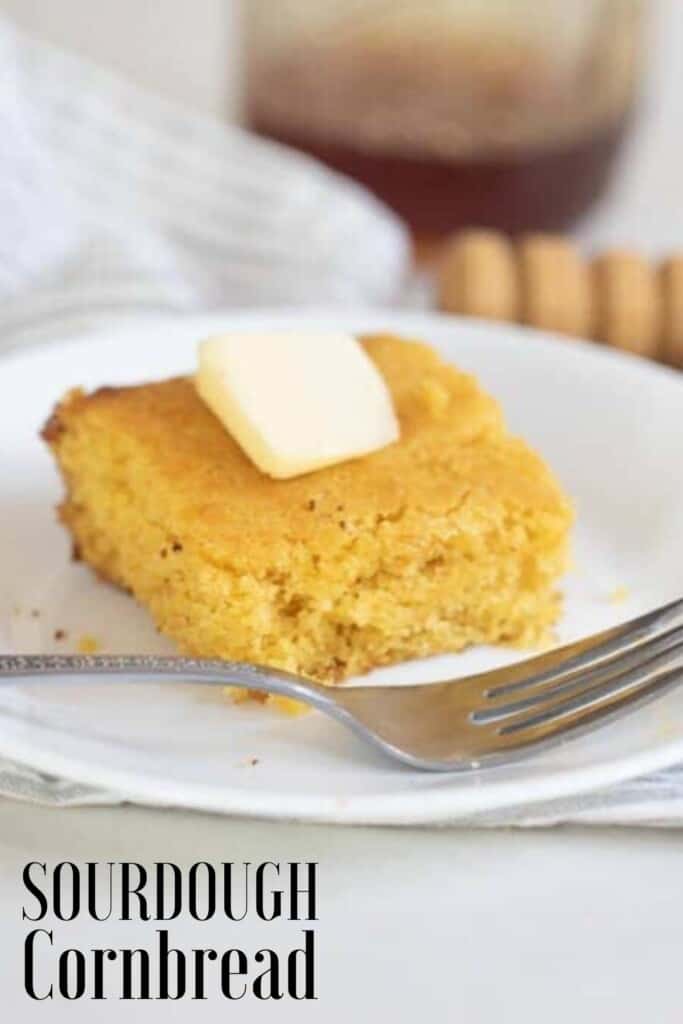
(455, 112)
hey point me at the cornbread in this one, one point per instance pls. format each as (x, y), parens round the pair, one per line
(455, 535)
(88, 644)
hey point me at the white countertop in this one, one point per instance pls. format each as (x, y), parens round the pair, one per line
(561, 925)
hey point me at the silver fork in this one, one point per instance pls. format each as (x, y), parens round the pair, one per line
(457, 725)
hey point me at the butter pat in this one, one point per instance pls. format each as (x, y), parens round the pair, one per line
(296, 402)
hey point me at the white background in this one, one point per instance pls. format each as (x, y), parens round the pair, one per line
(183, 49)
(562, 925)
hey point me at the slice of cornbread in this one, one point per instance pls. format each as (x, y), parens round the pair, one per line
(454, 535)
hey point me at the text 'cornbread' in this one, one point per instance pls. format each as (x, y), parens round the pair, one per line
(457, 534)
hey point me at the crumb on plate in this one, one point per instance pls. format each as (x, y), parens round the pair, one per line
(88, 644)
(286, 705)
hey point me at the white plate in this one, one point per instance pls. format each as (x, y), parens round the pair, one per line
(609, 425)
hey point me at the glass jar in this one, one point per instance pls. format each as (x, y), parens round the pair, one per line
(504, 113)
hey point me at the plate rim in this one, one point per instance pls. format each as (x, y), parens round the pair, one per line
(380, 809)
(89, 334)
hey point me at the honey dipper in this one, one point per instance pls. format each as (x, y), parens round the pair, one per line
(618, 297)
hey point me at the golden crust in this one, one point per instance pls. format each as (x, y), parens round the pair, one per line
(455, 534)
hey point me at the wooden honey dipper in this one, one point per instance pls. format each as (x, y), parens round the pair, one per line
(618, 297)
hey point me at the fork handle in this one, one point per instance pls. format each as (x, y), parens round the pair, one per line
(140, 668)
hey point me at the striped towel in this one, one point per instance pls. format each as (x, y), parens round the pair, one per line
(114, 202)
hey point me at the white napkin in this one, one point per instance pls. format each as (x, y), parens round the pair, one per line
(114, 203)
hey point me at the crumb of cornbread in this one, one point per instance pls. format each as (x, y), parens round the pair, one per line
(454, 535)
(88, 644)
(287, 705)
(619, 595)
